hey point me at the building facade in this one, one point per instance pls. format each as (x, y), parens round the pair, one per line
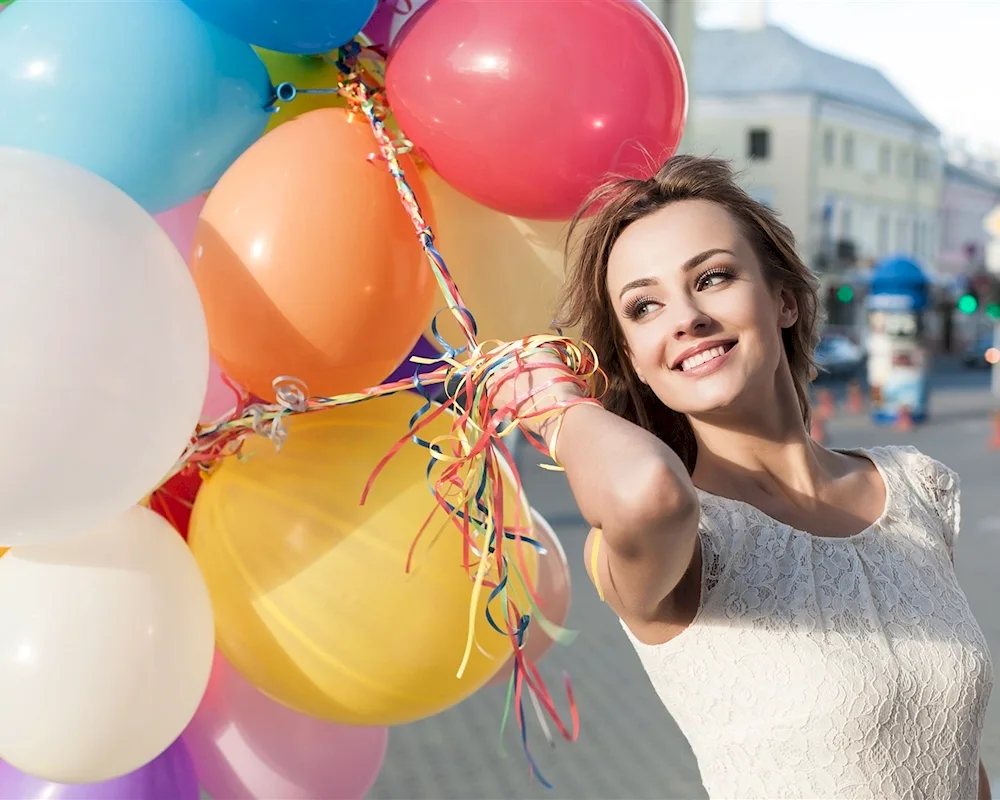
(851, 165)
(967, 197)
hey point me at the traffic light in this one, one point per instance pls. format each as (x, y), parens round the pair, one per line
(968, 303)
(993, 311)
(845, 294)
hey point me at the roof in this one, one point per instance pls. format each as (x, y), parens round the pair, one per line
(960, 174)
(769, 60)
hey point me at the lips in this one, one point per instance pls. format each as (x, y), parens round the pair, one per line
(697, 356)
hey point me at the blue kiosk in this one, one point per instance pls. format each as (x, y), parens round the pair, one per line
(898, 358)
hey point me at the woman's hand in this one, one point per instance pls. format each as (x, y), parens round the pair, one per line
(526, 387)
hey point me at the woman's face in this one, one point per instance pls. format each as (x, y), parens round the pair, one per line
(702, 325)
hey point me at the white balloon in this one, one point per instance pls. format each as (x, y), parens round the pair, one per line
(106, 646)
(104, 355)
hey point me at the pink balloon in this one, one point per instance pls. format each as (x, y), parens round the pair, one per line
(554, 595)
(220, 398)
(525, 107)
(180, 222)
(246, 746)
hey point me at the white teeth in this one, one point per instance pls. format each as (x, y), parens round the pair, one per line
(700, 358)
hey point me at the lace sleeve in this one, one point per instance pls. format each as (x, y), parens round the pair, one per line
(941, 489)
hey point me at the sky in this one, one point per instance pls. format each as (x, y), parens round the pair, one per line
(944, 55)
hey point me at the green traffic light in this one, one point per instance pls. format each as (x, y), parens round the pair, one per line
(845, 294)
(968, 304)
(993, 311)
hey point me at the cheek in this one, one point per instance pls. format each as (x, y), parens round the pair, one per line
(646, 347)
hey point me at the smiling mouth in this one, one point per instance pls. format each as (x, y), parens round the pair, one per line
(699, 359)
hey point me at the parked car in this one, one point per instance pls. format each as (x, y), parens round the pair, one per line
(975, 354)
(839, 357)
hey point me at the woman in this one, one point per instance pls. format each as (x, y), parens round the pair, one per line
(796, 608)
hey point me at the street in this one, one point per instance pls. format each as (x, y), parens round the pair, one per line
(628, 745)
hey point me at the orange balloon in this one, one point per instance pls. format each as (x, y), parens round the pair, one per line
(307, 263)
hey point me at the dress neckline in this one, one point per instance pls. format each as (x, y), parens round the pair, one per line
(859, 451)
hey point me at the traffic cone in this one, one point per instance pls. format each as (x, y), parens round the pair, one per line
(817, 427)
(995, 434)
(904, 420)
(826, 404)
(855, 400)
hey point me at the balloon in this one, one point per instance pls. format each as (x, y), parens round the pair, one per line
(303, 72)
(526, 107)
(174, 500)
(179, 224)
(422, 349)
(312, 599)
(169, 776)
(288, 26)
(509, 270)
(105, 354)
(246, 745)
(145, 95)
(379, 26)
(106, 645)
(308, 264)
(405, 10)
(220, 399)
(554, 594)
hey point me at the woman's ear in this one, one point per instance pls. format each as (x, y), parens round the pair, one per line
(788, 308)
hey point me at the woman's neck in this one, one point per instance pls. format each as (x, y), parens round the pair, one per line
(766, 450)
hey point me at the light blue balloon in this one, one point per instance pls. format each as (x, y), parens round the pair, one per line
(145, 94)
(289, 26)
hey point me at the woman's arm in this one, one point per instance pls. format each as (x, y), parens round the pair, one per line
(626, 482)
(984, 784)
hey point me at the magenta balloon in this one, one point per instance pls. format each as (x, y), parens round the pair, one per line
(525, 107)
(246, 746)
(169, 776)
(380, 24)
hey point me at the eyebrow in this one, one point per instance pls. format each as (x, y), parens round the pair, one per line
(687, 266)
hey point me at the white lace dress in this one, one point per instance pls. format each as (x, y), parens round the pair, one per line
(832, 668)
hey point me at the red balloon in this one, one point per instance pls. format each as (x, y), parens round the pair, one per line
(525, 107)
(174, 500)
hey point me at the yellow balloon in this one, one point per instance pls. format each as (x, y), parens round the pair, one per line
(311, 598)
(508, 270)
(303, 72)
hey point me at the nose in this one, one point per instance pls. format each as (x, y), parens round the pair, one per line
(689, 319)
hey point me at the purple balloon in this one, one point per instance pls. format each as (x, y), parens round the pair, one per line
(169, 776)
(379, 25)
(422, 349)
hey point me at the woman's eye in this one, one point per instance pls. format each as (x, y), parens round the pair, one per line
(637, 309)
(710, 279)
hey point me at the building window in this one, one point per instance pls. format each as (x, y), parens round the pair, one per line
(903, 242)
(759, 145)
(885, 159)
(883, 234)
(905, 167)
(845, 223)
(829, 147)
(848, 155)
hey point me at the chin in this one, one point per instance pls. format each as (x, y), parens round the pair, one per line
(708, 395)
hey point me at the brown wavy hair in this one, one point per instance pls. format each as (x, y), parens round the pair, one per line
(585, 303)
